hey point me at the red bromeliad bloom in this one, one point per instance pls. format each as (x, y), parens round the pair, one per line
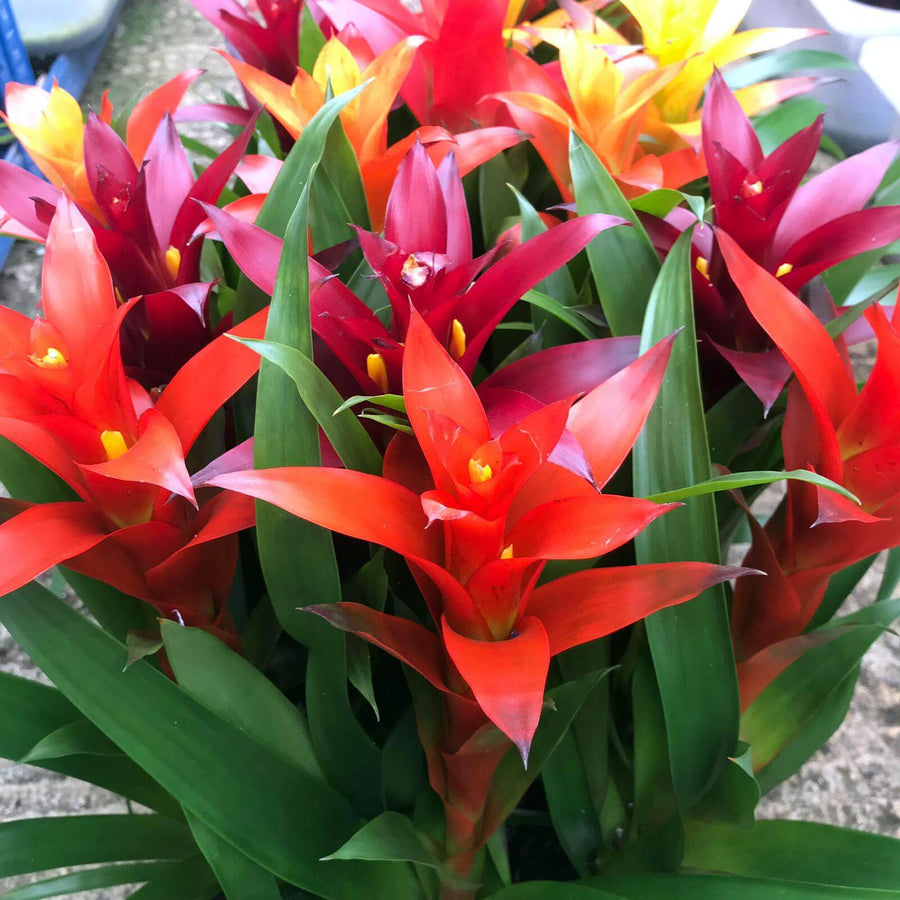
(853, 439)
(271, 44)
(425, 262)
(140, 199)
(464, 59)
(134, 521)
(477, 513)
(794, 231)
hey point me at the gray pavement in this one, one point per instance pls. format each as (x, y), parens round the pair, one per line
(853, 781)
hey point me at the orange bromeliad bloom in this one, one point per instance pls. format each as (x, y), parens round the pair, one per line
(609, 103)
(344, 63)
(478, 508)
(638, 107)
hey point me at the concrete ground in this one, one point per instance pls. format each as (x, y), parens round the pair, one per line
(853, 781)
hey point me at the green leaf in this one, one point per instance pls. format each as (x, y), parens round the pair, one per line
(33, 845)
(232, 688)
(785, 706)
(737, 480)
(26, 479)
(552, 890)
(733, 798)
(282, 818)
(495, 203)
(801, 851)
(655, 836)
(311, 40)
(77, 737)
(141, 645)
(340, 163)
(691, 642)
(876, 281)
(391, 401)
(817, 729)
(368, 586)
(785, 120)
(623, 261)
(32, 711)
(661, 202)
(89, 879)
(731, 422)
(558, 284)
(786, 62)
(571, 317)
(572, 812)
(402, 763)
(189, 880)
(343, 429)
(115, 611)
(838, 326)
(297, 558)
(240, 878)
(328, 213)
(647, 886)
(576, 775)
(394, 422)
(392, 837)
(891, 576)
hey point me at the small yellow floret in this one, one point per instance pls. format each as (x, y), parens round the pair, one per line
(52, 359)
(377, 371)
(507, 552)
(755, 188)
(457, 339)
(784, 269)
(113, 443)
(173, 261)
(479, 473)
(702, 266)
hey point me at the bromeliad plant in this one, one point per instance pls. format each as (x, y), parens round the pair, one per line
(396, 452)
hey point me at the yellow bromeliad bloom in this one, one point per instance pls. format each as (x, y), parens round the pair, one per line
(50, 126)
(703, 34)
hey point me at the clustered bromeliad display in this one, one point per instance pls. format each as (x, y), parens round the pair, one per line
(407, 451)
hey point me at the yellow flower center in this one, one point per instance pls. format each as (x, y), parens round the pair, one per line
(784, 269)
(507, 552)
(113, 443)
(377, 371)
(479, 472)
(173, 262)
(754, 189)
(457, 339)
(52, 359)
